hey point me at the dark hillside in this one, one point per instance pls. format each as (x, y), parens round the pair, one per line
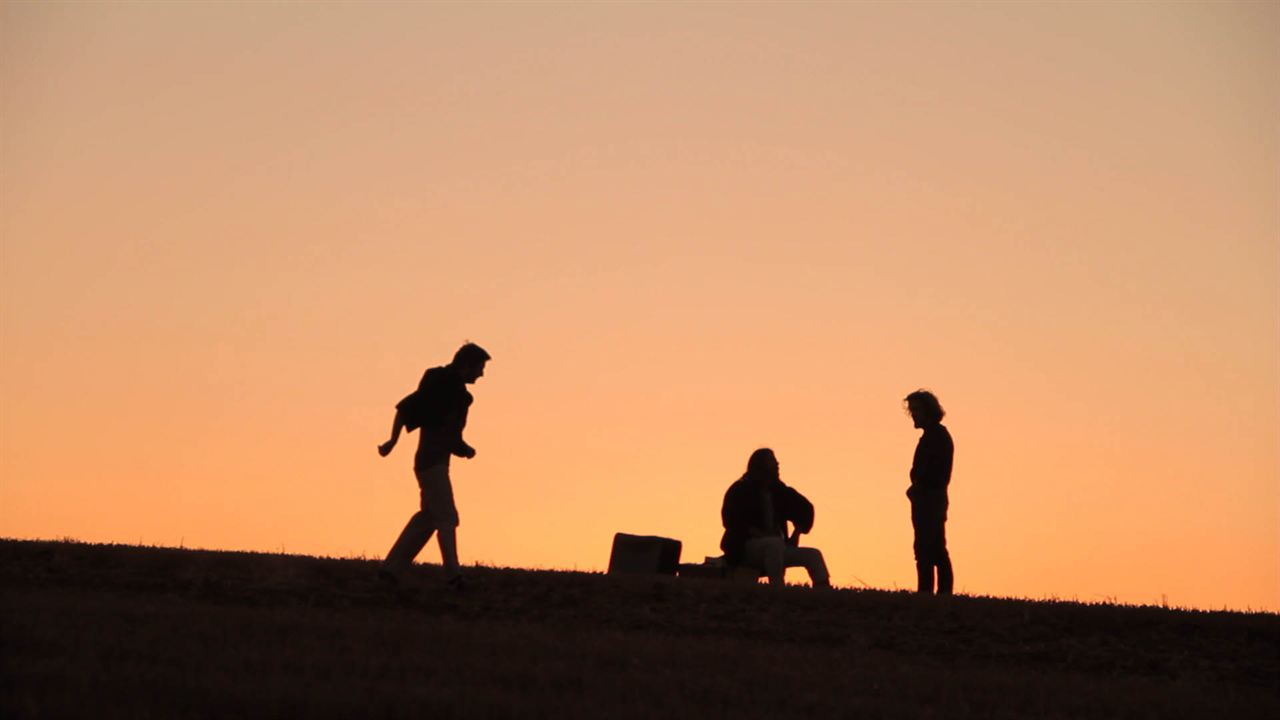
(118, 631)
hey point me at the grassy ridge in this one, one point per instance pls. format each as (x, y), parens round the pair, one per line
(117, 631)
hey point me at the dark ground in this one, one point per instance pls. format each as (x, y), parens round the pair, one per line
(128, 632)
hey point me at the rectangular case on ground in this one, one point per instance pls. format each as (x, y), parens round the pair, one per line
(644, 555)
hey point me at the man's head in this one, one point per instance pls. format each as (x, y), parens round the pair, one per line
(469, 362)
(762, 466)
(924, 408)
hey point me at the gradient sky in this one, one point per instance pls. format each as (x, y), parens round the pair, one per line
(234, 235)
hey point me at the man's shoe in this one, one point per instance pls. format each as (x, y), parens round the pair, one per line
(388, 578)
(457, 584)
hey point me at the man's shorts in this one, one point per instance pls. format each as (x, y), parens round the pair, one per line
(437, 495)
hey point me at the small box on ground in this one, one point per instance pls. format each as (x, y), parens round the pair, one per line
(715, 568)
(643, 555)
(702, 570)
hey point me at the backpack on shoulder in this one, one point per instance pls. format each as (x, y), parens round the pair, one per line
(412, 410)
(423, 406)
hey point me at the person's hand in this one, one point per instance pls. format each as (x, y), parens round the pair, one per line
(467, 452)
(385, 448)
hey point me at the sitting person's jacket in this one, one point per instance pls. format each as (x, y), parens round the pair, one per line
(746, 508)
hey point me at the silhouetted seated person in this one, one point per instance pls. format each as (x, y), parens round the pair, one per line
(756, 511)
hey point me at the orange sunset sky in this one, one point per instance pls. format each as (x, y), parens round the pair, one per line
(234, 235)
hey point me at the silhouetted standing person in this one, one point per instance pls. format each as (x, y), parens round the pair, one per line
(755, 513)
(930, 475)
(439, 407)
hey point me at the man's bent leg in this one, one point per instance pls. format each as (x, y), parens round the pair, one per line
(768, 554)
(416, 534)
(811, 560)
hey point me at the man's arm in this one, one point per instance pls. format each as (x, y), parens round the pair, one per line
(463, 450)
(396, 426)
(796, 509)
(460, 446)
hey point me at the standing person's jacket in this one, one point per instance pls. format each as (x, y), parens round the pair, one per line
(443, 414)
(745, 509)
(931, 467)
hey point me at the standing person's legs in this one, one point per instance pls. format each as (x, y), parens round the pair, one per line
(767, 554)
(811, 560)
(925, 546)
(946, 578)
(438, 505)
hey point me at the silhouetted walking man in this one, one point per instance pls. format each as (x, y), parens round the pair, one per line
(439, 407)
(930, 475)
(755, 514)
